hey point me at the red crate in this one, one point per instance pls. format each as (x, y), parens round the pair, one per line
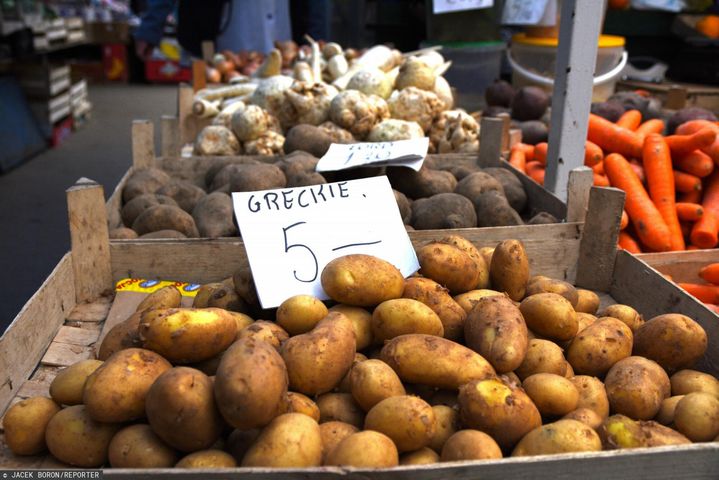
(114, 62)
(166, 71)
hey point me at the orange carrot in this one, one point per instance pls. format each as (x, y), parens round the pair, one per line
(693, 247)
(705, 232)
(684, 144)
(631, 119)
(535, 171)
(696, 163)
(601, 181)
(710, 201)
(660, 180)
(686, 229)
(685, 182)
(527, 149)
(648, 222)
(518, 159)
(695, 196)
(714, 308)
(655, 125)
(540, 152)
(694, 126)
(704, 293)
(638, 170)
(710, 273)
(613, 138)
(628, 243)
(599, 168)
(689, 212)
(624, 221)
(592, 154)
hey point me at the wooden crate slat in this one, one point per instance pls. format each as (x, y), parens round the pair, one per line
(91, 312)
(76, 336)
(63, 354)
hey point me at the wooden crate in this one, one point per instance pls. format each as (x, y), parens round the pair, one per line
(61, 322)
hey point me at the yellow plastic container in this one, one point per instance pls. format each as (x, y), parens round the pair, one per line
(533, 61)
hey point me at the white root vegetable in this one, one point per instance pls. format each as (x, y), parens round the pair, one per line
(414, 104)
(220, 93)
(371, 81)
(337, 66)
(444, 92)
(271, 92)
(433, 59)
(271, 66)
(205, 109)
(307, 103)
(393, 129)
(454, 131)
(270, 143)
(337, 133)
(303, 72)
(378, 56)
(357, 112)
(216, 140)
(415, 73)
(315, 59)
(251, 123)
(331, 49)
(224, 118)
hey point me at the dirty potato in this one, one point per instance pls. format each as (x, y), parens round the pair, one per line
(361, 280)
(372, 381)
(449, 266)
(636, 387)
(300, 313)
(409, 421)
(25, 422)
(401, 316)
(550, 315)
(509, 270)
(673, 340)
(470, 445)
(599, 346)
(436, 297)
(290, 440)
(67, 387)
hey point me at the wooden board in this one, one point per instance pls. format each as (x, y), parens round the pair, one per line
(681, 266)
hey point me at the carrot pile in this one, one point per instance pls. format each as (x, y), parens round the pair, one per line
(707, 293)
(671, 182)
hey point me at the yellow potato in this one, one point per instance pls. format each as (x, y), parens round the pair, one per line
(487, 253)
(562, 436)
(470, 445)
(496, 330)
(300, 314)
(364, 449)
(242, 320)
(436, 297)
(587, 416)
(137, 446)
(291, 440)
(619, 431)
(625, 313)
(550, 315)
(340, 407)
(592, 394)
(25, 422)
(361, 322)
(509, 270)
(207, 459)
(345, 386)
(599, 346)
(434, 361)
(584, 320)
(67, 387)
(226, 298)
(319, 359)
(469, 299)
(499, 409)
(570, 371)
(542, 356)
(166, 297)
(689, 381)
(468, 247)
(372, 381)
(73, 437)
(297, 403)
(447, 423)
(636, 387)
(116, 391)
(423, 456)
(361, 280)
(332, 434)
(401, 316)
(697, 416)
(665, 416)
(123, 335)
(587, 301)
(552, 285)
(553, 395)
(266, 331)
(449, 266)
(409, 421)
(672, 340)
(204, 293)
(251, 382)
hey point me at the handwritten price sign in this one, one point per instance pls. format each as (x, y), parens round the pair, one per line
(445, 6)
(402, 153)
(291, 234)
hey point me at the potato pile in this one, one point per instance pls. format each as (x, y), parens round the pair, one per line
(472, 358)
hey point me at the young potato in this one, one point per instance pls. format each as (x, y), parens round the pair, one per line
(226, 298)
(166, 297)
(569, 373)
(551, 285)
(592, 394)
(67, 387)
(587, 416)
(449, 266)
(319, 359)
(697, 416)
(436, 297)
(361, 322)
(401, 316)
(266, 331)
(372, 381)
(689, 381)
(73, 437)
(562, 436)
(470, 445)
(550, 315)
(116, 391)
(345, 386)
(123, 335)
(499, 409)
(584, 320)
(291, 440)
(496, 330)
(486, 253)
(542, 356)
(553, 395)
(625, 313)
(619, 431)
(242, 320)
(250, 384)
(665, 415)
(447, 423)
(300, 313)
(636, 387)
(340, 407)
(509, 270)
(434, 361)
(186, 335)
(332, 434)
(423, 456)
(469, 299)
(599, 346)
(25, 422)
(468, 247)
(587, 301)
(297, 403)
(137, 446)
(204, 293)
(181, 410)
(672, 340)
(361, 280)
(207, 459)
(409, 421)
(366, 449)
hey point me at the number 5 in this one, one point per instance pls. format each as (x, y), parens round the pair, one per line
(300, 245)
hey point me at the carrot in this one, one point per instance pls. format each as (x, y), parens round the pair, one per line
(518, 159)
(655, 125)
(527, 149)
(693, 247)
(601, 181)
(535, 171)
(638, 170)
(705, 232)
(695, 196)
(648, 222)
(710, 273)
(686, 229)
(624, 221)
(631, 119)
(540, 152)
(689, 212)
(694, 126)
(592, 154)
(628, 243)
(685, 182)
(660, 180)
(599, 168)
(684, 144)
(696, 163)
(613, 138)
(704, 293)
(710, 201)
(714, 308)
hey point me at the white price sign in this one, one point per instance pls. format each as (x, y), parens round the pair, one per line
(529, 12)
(290, 234)
(446, 6)
(401, 153)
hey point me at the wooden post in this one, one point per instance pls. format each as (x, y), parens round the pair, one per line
(571, 98)
(143, 144)
(676, 98)
(598, 247)
(581, 180)
(169, 136)
(199, 75)
(89, 240)
(506, 120)
(185, 96)
(490, 142)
